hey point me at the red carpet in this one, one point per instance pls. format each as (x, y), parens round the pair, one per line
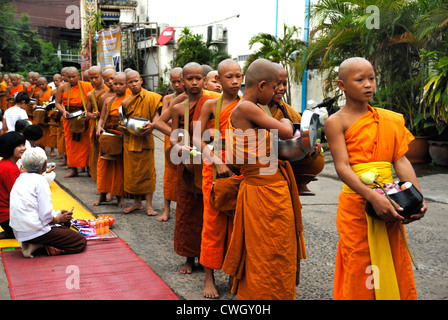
(105, 270)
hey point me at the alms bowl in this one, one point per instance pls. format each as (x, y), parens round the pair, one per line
(135, 125)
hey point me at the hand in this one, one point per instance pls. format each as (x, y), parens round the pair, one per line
(222, 170)
(121, 128)
(65, 216)
(147, 128)
(99, 131)
(385, 209)
(50, 168)
(65, 114)
(418, 216)
(95, 115)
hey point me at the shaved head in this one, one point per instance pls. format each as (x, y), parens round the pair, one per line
(346, 64)
(120, 75)
(176, 71)
(107, 72)
(225, 63)
(191, 65)
(259, 70)
(94, 69)
(132, 73)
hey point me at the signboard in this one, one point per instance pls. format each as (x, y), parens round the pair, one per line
(166, 35)
(109, 48)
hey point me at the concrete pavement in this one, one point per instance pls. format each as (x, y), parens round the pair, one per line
(153, 240)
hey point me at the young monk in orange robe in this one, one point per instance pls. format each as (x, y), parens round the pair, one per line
(363, 138)
(217, 226)
(138, 150)
(306, 169)
(16, 86)
(170, 173)
(48, 140)
(94, 104)
(110, 173)
(77, 145)
(267, 239)
(189, 208)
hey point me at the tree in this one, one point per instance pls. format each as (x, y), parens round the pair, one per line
(192, 48)
(21, 48)
(283, 50)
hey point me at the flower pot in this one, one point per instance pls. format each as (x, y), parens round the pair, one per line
(438, 151)
(418, 150)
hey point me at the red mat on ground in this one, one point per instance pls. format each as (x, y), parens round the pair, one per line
(105, 270)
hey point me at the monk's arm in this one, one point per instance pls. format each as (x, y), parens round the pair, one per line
(336, 140)
(100, 128)
(405, 172)
(58, 101)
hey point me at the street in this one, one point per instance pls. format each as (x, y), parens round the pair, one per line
(152, 240)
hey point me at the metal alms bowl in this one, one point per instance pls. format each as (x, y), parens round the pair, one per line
(74, 114)
(298, 148)
(134, 125)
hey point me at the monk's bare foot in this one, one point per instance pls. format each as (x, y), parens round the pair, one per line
(187, 268)
(165, 215)
(210, 290)
(109, 197)
(133, 207)
(59, 157)
(120, 202)
(65, 167)
(81, 170)
(73, 173)
(100, 199)
(52, 154)
(150, 211)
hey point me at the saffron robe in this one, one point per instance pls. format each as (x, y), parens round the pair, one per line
(217, 226)
(78, 152)
(190, 206)
(94, 143)
(138, 151)
(267, 241)
(48, 139)
(110, 173)
(13, 91)
(378, 135)
(3, 88)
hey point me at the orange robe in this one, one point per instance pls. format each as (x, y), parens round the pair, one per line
(110, 173)
(32, 91)
(3, 88)
(190, 206)
(13, 91)
(217, 226)
(378, 135)
(48, 139)
(138, 151)
(267, 240)
(94, 143)
(78, 152)
(169, 176)
(60, 140)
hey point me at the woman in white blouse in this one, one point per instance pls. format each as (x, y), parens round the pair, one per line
(32, 218)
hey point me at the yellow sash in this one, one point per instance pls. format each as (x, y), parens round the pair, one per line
(384, 277)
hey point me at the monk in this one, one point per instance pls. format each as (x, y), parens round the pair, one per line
(57, 122)
(94, 104)
(110, 170)
(32, 88)
(305, 170)
(267, 239)
(138, 150)
(3, 92)
(71, 97)
(362, 138)
(43, 96)
(189, 208)
(211, 82)
(15, 87)
(170, 173)
(217, 226)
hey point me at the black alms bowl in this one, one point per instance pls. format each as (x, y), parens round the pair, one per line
(409, 199)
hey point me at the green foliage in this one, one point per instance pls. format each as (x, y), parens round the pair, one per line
(192, 48)
(21, 48)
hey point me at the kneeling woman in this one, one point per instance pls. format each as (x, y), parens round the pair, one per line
(32, 218)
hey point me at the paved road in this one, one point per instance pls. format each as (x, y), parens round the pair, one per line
(153, 240)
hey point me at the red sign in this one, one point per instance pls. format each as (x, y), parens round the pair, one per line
(166, 36)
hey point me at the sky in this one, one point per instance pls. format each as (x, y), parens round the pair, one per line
(255, 16)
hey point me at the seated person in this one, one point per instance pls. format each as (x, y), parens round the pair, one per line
(32, 218)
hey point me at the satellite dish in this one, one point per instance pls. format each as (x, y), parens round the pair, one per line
(166, 35)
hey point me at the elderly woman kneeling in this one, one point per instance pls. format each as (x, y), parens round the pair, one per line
(32, 218)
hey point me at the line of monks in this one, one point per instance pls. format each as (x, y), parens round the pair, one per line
(260, 243)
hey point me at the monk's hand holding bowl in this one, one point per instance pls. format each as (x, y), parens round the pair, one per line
(418, 216)
(99, 131)
(223, 170)
(121, 127)
(385, 208)
(147, 128)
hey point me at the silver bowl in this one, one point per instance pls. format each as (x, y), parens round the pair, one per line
(74, 114)
(134, 125)
(298, 148)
